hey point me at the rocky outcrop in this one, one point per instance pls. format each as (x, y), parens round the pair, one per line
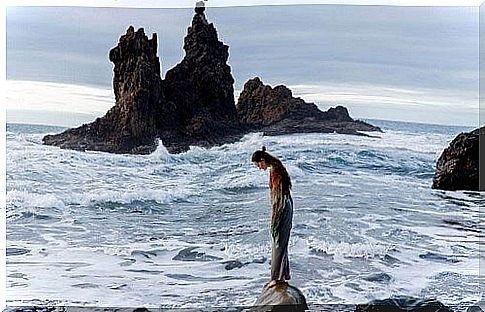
(275, 111)
(194, 105)
(130, 126)
(403, 304)
(200, 90)
(457, 167)
(280, 297)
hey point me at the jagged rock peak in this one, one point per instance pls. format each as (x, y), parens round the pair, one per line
(200, 91)
(202, 40)
(130, 125)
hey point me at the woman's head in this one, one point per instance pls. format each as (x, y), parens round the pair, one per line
(263, 160)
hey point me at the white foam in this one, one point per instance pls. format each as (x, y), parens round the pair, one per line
(28, 200)
(349, 250)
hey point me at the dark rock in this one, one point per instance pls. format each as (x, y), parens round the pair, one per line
(403, 304)
(457, 167)
(280, 297)
(200, 92)
(275, 111)
(130, 126)
(234, 264)
(187, 254)
(438, 258)
(16, 251)
(378, 278)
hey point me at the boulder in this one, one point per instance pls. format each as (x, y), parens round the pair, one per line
(280, 297)
(130, 126)
(275, 111)
(457, 167)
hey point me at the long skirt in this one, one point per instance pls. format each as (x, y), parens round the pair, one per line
(280, 236)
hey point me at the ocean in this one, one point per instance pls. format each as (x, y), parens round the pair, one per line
(191, 230)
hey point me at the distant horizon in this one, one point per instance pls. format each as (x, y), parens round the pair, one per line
(414, 64)
(31, 116)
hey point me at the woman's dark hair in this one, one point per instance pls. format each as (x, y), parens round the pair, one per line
(276, 164)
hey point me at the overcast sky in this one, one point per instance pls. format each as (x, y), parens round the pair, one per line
(386, 62)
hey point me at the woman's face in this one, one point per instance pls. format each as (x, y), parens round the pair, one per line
(261, 164)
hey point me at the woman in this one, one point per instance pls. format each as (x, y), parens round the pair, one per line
(281, 216)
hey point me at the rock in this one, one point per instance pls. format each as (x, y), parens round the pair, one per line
(234, 264)
(275, 111)
(200, 91)
(378, 278)
(403, 304)
(280, 297)
(475, 308)
(194, 105)
(457, 167)
(187, 254)
(130, 126)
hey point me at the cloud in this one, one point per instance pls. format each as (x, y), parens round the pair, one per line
(431, 50)
(34, 97)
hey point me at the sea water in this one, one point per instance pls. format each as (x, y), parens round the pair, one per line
(191, 230)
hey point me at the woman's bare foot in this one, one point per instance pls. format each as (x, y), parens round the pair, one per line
(272, 283)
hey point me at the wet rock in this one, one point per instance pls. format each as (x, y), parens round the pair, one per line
(403, 304)
(16, 251)
(457, 167)
(275, 111)
(234, 264)
(130, 126)
(280, 297)
(474, 309)
(188, 255)
(438, 258)
(378, 278)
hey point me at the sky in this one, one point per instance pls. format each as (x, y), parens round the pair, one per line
(382, 62)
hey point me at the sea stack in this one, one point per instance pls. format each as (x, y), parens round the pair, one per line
(275, 111)
(130, 125)
(200, 90)
(457, 167)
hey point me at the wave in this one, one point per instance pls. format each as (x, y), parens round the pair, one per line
(17, 199)
(349, 250)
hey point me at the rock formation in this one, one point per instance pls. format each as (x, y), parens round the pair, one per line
(200, 88)
(275, 111)
(194, 104)
(280, 297)
(457, 167)
(130, 126)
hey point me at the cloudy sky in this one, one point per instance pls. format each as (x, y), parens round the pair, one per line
(384, 62)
